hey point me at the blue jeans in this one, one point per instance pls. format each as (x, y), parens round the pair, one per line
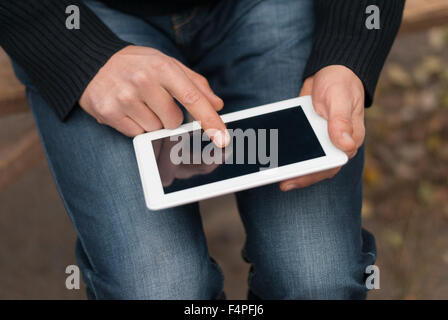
(302, 244)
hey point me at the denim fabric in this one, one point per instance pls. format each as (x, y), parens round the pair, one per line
(302, 244)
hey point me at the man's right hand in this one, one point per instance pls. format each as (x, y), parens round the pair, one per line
(133, 93)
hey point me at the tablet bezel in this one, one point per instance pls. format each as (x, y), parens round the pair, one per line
(156, 199)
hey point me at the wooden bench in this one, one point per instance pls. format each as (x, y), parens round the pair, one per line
(423, 14)
(24, 152)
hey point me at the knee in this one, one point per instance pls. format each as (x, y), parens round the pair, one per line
(337, 280)
(181, 278)
(302, 278)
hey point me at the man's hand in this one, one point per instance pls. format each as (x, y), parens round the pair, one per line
(134, 92)
(338, 96)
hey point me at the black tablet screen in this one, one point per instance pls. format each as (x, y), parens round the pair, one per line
(259, 143)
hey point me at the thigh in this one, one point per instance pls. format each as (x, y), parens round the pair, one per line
(306, 243)
(124, 250)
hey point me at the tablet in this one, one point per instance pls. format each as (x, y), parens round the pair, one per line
(269, 143)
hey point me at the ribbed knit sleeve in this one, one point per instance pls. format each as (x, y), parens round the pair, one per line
(342, 38)
(60, 62)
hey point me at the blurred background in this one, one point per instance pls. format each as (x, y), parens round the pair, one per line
(406, 182)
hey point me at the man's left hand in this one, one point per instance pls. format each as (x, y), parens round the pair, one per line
(338, 96)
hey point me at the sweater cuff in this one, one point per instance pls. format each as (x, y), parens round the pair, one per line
(342, 38)
(60, 62)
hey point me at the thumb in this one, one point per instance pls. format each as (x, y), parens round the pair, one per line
(340, 126)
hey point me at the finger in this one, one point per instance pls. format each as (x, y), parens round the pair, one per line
(307, 87)
(359, 130)
(352, 154)
(305, 181)
(184, 90)
(144, 117)
(340, 127)
(164, 106)
(127, 126)
(203, 85)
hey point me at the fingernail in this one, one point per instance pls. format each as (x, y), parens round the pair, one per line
(221, 139)
(348, 138)
(289, 187)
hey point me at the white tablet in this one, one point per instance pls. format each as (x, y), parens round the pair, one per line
(270, 143)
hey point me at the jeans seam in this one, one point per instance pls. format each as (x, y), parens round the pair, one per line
(91, 284)
(177, 25)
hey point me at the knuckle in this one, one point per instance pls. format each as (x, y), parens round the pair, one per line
(203, 80)
(175, 119)
(130, 131)
(359, 134)
(219, 107)
(359, 112)
(341, 120)
(106, 112)
(210, 122)
(178, 119)
(190, 97)
(134, 133)
(156, 126)
(125, 96)
(362, 131)
(358, 97)
(162, 64)
(319, 107)
(139, 78)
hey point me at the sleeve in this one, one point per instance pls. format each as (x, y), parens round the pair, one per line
(60, 61)
(341, 37)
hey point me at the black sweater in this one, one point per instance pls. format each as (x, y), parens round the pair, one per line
(61, 62)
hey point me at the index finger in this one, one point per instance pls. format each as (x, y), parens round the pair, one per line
(191, 97)
(307, 180)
